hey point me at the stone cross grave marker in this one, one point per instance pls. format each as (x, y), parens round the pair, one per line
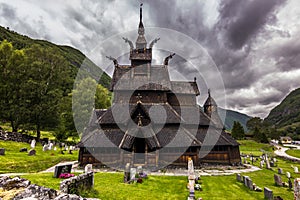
(278, 180)
(268, 193)
(127, 173)
(191, 178)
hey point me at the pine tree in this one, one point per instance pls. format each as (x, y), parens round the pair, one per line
(237, 131)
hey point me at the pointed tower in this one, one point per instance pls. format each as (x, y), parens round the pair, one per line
(141, 42)
(210, 105)
(211, 109)
(141, 55)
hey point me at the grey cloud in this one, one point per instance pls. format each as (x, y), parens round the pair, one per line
(242, 20)
(7, 11)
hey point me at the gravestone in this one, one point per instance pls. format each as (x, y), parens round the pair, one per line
(2, 151)
(88, 168)
(268, 193)
(50, 146)
(297, 189)
(261, 163)
(191, 179)
(60, 169)
(132, 173)
(267, 162)
(272, 164)
(139, 169)
(127, 173)
(45, 147)
(32, 152)
(288, 174)
(277, 180)
(280, 171)
(296, 170)
(32, 144)
(249, 183)
(23, 149)
(239, 177)
(245, 180)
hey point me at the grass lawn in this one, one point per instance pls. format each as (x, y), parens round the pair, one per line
(254, 148)
(14, 161)
(294, 152)
(110, 185)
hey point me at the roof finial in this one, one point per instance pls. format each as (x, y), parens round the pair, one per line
(141, 12)
(208, 92)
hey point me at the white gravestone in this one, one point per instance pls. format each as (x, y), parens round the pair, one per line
(32, 145)
(88, 168)
(50, 146)
(296, 169)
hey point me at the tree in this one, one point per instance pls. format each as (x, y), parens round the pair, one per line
(11, 89)
(259, 136)
(44, 85)
(87, 94)
(253, 123)
(237, 131)
(102, 97)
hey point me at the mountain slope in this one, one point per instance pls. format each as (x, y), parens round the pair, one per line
(232, 116)
(287, 112)
(74, 56)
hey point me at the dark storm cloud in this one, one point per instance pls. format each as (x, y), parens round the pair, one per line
(241, 20)
(7, 11)
(229, 36)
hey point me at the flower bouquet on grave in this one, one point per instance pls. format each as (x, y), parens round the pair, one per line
(143, 175)
(66, 175)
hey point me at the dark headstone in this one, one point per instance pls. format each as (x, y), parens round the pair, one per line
(2, 151)
(239, 177)
(23, 149)
(280, 171)
(60, 169)
(245, 180)
(277, 180)
(32, 152)
(268, 193)
(249, 183)
(272, 164)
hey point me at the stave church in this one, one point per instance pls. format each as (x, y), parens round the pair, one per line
(154, 121)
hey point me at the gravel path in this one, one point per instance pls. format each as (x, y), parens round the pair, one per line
(280, 151)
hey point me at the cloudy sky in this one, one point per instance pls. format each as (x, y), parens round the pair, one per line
(255, 44)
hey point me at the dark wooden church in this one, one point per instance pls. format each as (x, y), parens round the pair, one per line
(154, 121)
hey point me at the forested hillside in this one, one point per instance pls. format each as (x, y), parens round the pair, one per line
(36, 84)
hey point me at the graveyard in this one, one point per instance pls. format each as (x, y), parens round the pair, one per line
(109, 184)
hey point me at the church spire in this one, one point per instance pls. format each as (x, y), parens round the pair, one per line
(141, 42)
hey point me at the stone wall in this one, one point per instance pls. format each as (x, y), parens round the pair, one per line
(18, 137)
(18, 188)
(73, 184)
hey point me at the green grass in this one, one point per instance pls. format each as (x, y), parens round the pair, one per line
(18, 162)
(110, 185)
(254, 148)
(294, 152)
